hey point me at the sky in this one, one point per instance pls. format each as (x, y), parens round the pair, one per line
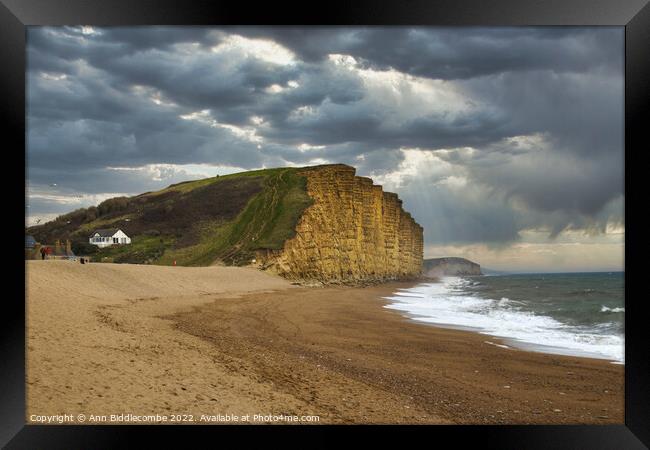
(505, 144)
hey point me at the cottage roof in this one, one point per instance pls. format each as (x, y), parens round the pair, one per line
(105, 232)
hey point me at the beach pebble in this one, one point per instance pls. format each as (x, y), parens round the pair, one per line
(506, 387)
(557, 410)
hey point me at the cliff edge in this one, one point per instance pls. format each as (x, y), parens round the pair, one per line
(320, 223)
(353, 232)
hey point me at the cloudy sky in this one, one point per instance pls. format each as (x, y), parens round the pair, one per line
(506, 144)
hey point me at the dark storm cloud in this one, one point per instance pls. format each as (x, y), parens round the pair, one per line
(580, 167)
(71, 42)
(99, 181)
(459, 214)
(98, 99)
(453, 53)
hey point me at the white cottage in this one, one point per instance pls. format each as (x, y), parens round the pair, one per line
(109, 236)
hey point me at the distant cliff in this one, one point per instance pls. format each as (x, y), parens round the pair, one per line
(437, 267)
(352, 232)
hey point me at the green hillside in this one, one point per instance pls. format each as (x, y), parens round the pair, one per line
(195, 223)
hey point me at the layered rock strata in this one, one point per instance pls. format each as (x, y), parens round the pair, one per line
(353, 232)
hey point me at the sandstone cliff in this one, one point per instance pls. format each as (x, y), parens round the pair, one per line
(437, 267)
(353, 232)
(318, 223)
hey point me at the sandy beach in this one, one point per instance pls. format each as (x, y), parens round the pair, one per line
(108, 339)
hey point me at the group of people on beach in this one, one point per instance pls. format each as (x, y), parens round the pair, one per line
(45, 251)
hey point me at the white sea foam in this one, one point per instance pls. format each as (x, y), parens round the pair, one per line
(496, 345)
(614, 310)
(445, 304)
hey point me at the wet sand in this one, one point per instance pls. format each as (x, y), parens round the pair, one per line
(110, 339)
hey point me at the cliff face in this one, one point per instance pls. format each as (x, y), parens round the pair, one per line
(438, 267)
(318, 223)
(353, 232)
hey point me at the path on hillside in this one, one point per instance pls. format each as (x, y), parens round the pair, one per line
(251, 234)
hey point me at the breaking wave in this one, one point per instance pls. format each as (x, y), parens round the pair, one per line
(447, 304)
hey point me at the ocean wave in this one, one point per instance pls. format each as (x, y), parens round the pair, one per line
(613, 310)
(503, 301)
(445, 303)
(583, 292)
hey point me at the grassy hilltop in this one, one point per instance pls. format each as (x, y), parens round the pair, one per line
(195, 223)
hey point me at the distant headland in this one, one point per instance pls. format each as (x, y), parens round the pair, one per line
(436, 267)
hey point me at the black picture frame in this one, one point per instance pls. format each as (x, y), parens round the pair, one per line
(634, 15)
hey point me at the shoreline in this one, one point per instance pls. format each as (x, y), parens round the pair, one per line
(511, 343)
(238, 341)
(529, 387)
(506, 340)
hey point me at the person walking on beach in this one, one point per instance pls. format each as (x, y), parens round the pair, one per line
(43, 253)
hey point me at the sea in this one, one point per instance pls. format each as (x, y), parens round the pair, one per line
(580, 314)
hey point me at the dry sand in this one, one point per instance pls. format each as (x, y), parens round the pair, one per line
(114, 339)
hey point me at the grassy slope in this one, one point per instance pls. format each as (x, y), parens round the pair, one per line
(265, 220)
(142, 249)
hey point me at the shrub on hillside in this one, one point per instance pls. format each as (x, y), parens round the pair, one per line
(76, 217)
(83, 248)
(91, 214)
(112, 205)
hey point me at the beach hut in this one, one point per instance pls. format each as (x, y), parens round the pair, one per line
(109, 236)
